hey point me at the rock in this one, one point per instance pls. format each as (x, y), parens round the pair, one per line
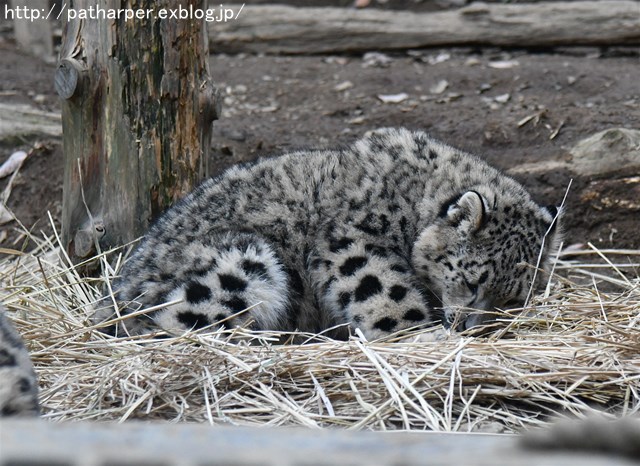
(343, 86)
(439, 87)
(393, 98)
(376, 60)
(609, 151)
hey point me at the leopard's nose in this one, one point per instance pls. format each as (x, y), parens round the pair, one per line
(472, 321)
(485, 313)
(479, 319)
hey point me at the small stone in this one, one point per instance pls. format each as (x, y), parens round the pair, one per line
(269, 109)
(440, 58)
(337, 60)
(343, 86)
(503, 64)
(439, 87)
(376, 60)
(240, 89)
(393, 98)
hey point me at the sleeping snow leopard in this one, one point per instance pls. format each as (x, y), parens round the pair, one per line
(18, 385)
(396, 231)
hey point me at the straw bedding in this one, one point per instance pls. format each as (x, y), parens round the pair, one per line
(575, 349)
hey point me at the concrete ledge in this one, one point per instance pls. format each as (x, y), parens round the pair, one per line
(37, 442)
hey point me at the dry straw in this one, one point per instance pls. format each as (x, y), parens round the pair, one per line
(573, 350)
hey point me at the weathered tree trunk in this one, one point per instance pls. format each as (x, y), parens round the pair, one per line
(137, 109)
(287, 29)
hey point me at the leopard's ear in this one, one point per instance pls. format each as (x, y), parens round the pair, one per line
(466, 212)
(551, 210)
(553, 217)
(553, 234)
(552, 238)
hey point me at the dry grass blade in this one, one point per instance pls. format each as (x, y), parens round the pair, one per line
(573, 350)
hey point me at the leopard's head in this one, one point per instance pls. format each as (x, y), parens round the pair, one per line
(483, 253)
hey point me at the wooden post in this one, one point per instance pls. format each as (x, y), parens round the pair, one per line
(137, 108)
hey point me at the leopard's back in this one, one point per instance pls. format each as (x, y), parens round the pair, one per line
(382, 234)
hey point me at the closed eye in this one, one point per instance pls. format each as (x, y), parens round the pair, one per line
(473, 287)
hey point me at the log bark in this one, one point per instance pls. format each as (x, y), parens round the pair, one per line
(290, 30)
(137, 107)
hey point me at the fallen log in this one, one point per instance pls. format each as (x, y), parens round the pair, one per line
(19, 122)
(292, 30)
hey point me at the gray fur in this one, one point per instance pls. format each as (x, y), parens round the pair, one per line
(18, 384)
(383, 235)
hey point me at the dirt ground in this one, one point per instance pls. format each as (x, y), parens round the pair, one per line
(474, 99)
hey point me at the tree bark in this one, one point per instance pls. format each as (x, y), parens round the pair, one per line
(137, 107)
(290, 30)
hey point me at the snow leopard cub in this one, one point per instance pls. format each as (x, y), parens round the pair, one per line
(18, 385)
(390, 233)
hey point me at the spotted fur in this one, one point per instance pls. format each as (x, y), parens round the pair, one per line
(18, 384)
(387, 234)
